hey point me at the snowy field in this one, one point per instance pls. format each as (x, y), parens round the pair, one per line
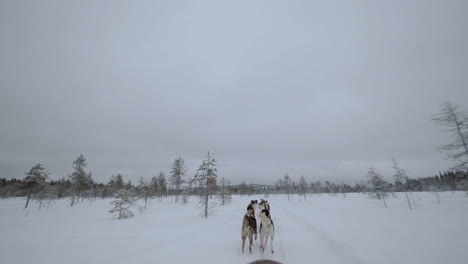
(324, 229)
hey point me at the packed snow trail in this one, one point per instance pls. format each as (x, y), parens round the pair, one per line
(336, 249)
(296, 241)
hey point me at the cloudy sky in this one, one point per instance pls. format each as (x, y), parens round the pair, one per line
(323, 89)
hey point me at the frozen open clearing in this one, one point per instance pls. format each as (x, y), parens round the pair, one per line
(322, 229)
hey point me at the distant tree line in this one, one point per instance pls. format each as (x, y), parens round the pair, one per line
(80, 186)
(444, 181)
(158, 187)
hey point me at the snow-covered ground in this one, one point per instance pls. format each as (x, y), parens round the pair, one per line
(323, 229)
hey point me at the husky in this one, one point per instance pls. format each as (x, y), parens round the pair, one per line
(267, 230)
(264, 205)
(249, 228)
(253, 205)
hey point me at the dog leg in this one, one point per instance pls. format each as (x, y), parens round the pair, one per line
(272, 251)
(243, 244)
(261, 241)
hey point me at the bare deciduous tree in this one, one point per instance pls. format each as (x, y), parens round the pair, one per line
(400, 179)
(456, 122)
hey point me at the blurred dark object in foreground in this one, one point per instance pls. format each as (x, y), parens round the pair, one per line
(265, 261)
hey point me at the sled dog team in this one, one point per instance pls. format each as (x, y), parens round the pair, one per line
(249, 225)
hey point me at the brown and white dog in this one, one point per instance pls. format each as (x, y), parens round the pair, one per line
(267, 229)
(249, 228)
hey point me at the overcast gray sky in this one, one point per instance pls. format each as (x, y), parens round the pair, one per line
(323, 89)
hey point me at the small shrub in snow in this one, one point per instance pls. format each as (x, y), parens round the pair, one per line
(121, 204)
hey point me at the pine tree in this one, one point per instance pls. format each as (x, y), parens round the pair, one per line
(129, 185)
(116, 183)
(35, 179)
(377, 185)
(119, 183)
(205, 178)
(177, 172)
(162, 184)
(121, 204)
(79, 178)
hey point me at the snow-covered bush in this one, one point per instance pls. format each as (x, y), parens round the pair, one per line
(123, 201)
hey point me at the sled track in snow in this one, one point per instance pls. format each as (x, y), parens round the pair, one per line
(337, 249)
(280, 245)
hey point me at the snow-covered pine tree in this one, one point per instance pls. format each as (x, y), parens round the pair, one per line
(79, 178)
(376, 184)
(123, 201)
(177, 172)
(35, 179)
(400, 180)
(205, 178)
